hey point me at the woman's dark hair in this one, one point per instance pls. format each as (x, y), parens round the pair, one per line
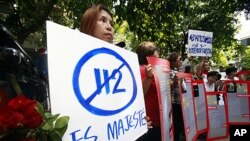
(213, 73)
(90, 17)
(231, 70)
(188, 69)
(218, 76)
(172, 58)
(144, 50)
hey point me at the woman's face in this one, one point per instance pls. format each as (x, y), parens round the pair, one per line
(206, 67)
(156, 53)
(234, 73)
(212, 79)
(104, 28)
(178, 62)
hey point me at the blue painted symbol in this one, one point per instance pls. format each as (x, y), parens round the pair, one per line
(107, 85)
(86, 102)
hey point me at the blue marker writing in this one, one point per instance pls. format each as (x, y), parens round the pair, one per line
(121, 126)
(86, 135)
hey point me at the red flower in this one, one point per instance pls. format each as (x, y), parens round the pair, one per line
(20, 121)
(34, 119)
(10, 118)
(20, 111)
(21, 103)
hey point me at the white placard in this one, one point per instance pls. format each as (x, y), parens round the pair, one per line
(96, 84)
(199, 43)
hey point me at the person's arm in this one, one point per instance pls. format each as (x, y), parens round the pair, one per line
(149, 122)
(201, 64)
(146, 83)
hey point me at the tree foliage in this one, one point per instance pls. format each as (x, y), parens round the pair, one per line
(246, 59)
(27, 16)
(167, 22)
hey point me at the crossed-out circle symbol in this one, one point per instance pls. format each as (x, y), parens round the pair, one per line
(85, 102)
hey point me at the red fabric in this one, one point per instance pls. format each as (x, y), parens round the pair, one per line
(151, 101)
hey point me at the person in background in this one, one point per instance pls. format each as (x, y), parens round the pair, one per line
(210, 86)
(212, 78)
(144, 50)
(188, 69)
(187, 61)
(205, 65)
(213, 84)
(175, 64)
(219, 84)
(204, 68)
(196, 74)
(231, 74)
(244, 74)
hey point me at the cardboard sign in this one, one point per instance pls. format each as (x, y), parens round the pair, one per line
(200, 104)
(217, 116)
(187, 104)
(238, 98)
(199, 43)
(162, 81)
(96, 84)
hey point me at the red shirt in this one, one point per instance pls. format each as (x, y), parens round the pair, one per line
(151, 101)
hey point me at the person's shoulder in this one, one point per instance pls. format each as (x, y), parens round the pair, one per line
(142, 66)
(236, 78)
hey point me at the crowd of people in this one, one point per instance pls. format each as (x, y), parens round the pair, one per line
(97, 21)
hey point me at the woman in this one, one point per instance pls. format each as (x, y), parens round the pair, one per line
(97, 21)
(175, 64)
(212, 78)
(204, 68)
(231, 74)
(144, 50)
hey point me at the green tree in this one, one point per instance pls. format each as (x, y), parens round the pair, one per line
(245, 62)
(167, 22)
(28, 16)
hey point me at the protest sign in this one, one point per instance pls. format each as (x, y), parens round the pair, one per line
(200, 104)
(187, 104)
(238, 98)
(96, 84)
(162, 81)
(199, 43)
(217, 117)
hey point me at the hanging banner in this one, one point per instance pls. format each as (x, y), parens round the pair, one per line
(199, 43)
(217, 116)
(97, 84)
(200, 105)
(162, 80)
(187, 104)
(238, 97)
